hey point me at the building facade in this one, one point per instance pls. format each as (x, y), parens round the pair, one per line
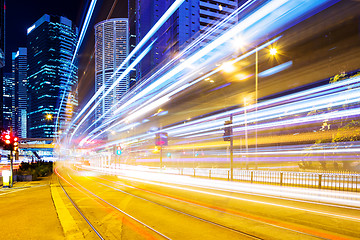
(19, 93)
(111, 49)
(7, 99)
(51, 43)
(2, 55)
(193, 19)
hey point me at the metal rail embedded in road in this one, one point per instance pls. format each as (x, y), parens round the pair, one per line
(78, 209)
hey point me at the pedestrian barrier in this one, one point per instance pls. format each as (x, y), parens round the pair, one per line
(332, 181)
(321, 180)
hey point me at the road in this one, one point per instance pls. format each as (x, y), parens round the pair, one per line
(163, 206)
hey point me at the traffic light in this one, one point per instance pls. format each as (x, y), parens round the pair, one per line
(118, 150)
(15, 143)
(7, 139)
(228, 131)
(10, 142)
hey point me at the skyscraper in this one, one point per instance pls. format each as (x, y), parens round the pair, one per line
(7, 98)
(111, 49)
(19, 93)
(2, 55)
(51, 44)
(132, 37)
(194, 18)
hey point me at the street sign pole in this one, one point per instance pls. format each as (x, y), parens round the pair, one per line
(11, 168)
(11, 160)
(231, 152)
(161, 164)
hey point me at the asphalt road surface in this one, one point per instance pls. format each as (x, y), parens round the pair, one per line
(136, 207)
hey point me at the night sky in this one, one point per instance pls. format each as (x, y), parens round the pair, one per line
(21, 14)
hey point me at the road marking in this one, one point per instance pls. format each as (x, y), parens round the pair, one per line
(12, 191)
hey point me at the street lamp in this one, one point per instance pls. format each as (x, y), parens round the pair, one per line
(48, 116)
(228, 67)
(273, 51)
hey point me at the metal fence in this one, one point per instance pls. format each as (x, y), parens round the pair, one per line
(332, 181)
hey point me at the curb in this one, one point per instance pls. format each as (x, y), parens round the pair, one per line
(70, 228)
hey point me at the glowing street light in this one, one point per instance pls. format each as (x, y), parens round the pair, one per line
(273, 51)
(48, 117)
(228, 67)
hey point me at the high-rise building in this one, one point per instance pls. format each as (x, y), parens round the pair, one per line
(111, 49)
(132, 37)
(51, 43)
(2, 55)
(193, 19)
(19, 119)
(7, 99)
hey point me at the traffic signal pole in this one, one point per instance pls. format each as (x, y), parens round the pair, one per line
(11, 161)
(231, 153)
(11, 168)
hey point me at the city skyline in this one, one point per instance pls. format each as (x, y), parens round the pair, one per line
(183, 119)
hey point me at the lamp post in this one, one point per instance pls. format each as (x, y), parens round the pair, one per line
(256, 99)
(273, 52)
(246, 137)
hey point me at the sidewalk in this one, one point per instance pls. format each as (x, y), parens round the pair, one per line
(27, 211)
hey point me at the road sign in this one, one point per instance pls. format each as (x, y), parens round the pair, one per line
(161, 139)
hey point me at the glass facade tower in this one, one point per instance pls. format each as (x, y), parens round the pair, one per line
(8, 98)
(51, 44)
(19, 120)
(2, 55)
(193, 19)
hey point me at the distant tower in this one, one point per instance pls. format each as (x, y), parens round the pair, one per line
(2, 55)
(19, 120)
(7, 98)
(132, 36)
(111, 49)
(192, 19)
(51, 43)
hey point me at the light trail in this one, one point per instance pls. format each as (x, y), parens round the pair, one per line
(86, 106)
(206, 50)
(127, 70)
(342, 199)
(237, 198)
(151, 32)
(170, 78)
(80, 40)
(301, 106)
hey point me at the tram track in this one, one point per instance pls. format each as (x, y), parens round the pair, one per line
(166, 201)
(87, 220)
(200, 205)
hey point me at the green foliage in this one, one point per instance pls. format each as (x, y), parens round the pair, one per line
(36, 169)
(343, 135)
(347, 131)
